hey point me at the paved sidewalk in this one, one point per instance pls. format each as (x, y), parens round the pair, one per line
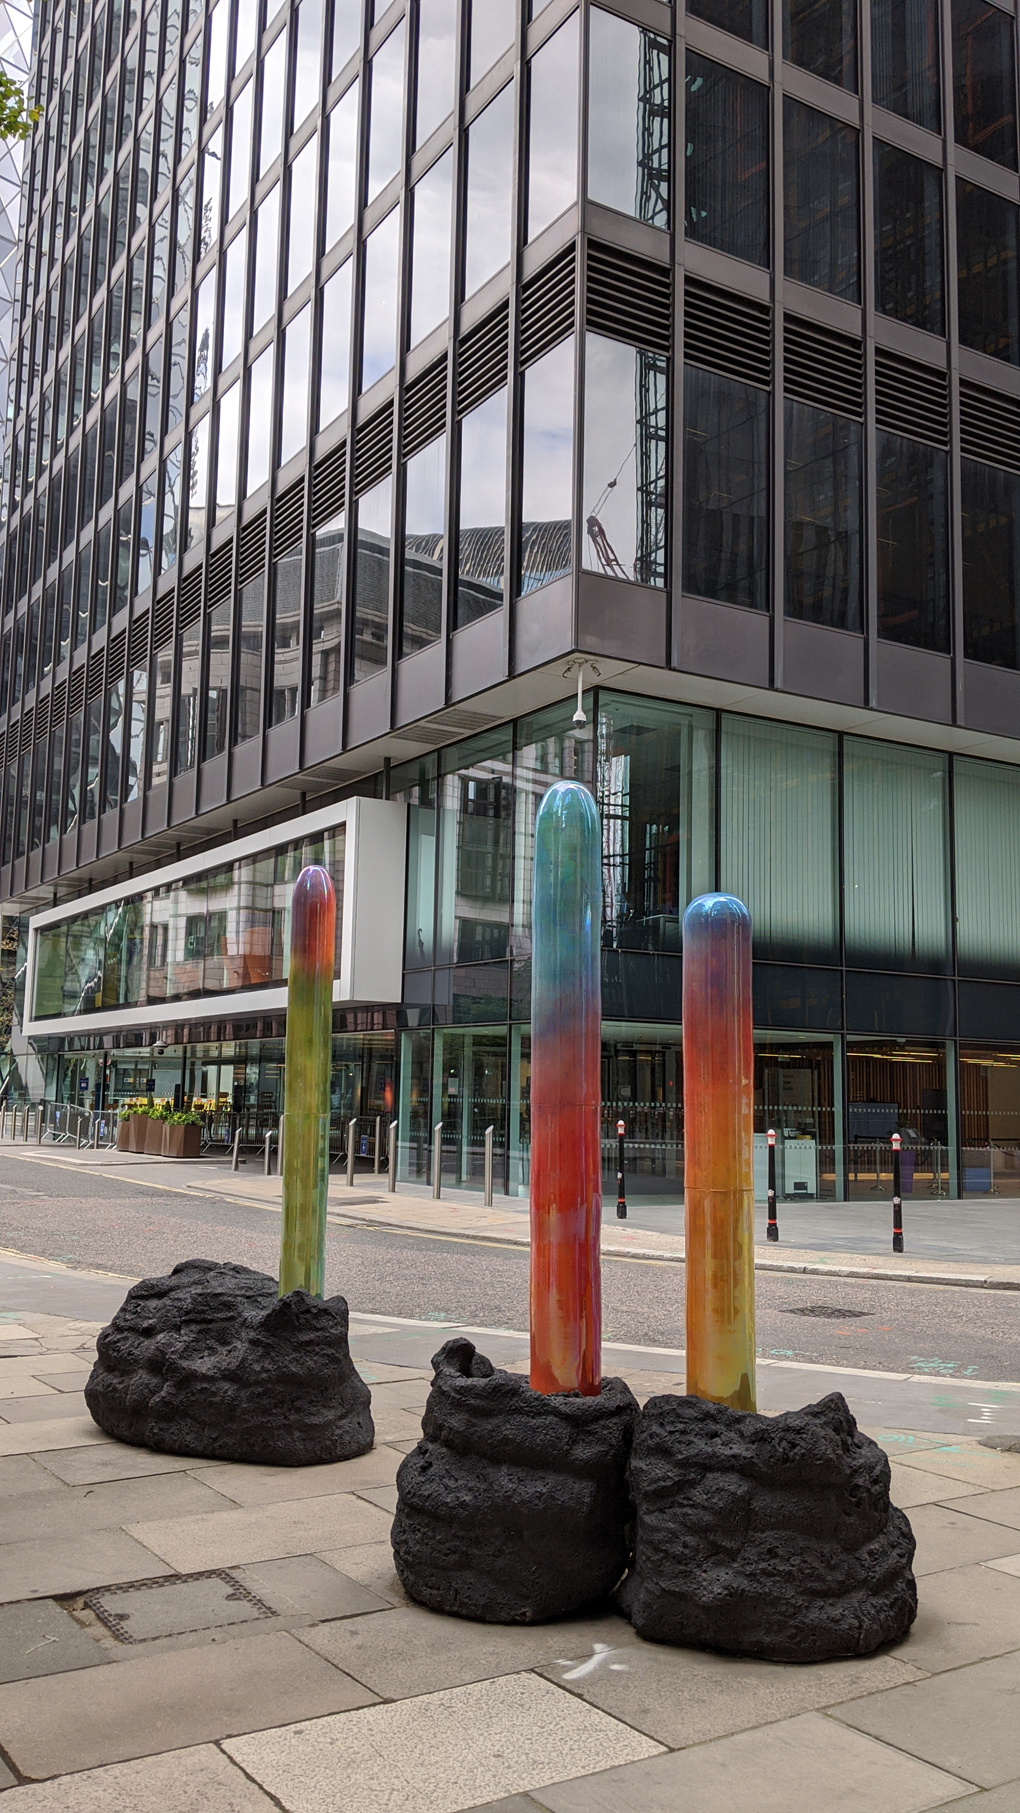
(246, 1646)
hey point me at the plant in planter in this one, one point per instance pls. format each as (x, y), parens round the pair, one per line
(133, 1124)
(159, 1114)
(183, 1134)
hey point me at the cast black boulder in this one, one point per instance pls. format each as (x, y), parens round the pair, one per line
(513, 1508)
(211, 1361)
(765, 1536)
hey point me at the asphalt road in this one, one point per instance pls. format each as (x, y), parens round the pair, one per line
(100, 1224)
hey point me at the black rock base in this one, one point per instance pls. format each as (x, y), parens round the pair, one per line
(765, 1536)
(513, 1508)
(210, 1361)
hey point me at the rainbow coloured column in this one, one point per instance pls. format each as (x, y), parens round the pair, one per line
(719, 1150)
(306, 1101)
(566, 1156)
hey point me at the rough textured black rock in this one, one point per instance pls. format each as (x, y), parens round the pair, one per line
(210, 1361)
(513, 1508)
(765, 1536)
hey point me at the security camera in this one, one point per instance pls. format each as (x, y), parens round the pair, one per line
(158, 1049)
(580, 718)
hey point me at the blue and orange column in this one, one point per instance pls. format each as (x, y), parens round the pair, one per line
(306, 1083)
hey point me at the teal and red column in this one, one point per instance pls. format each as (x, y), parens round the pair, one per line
(306, 1083)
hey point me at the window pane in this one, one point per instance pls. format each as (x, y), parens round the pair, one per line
(628, 133)
(327, 660)
(205, 318)
(341, 174)
(296, 354)
(547, 467)
(217, 693)
(219, 20)
(823, 517)
(267, 248)
(226, 457)
(171, 510)
(249, 660)
(274, 90)
(777, 799)
(304, 213)
(895, 856)
(481, 539)
(285, 684)
(821, 201)
(821, 35)
(382, 257)
(307, 59)
(260, 421)
(372, 580)
(912, 552)
(905, 60)
(146, 533)
(726, 486)
(135, 776)
(424, 545)
(240, 149)
(990, 505)
(386, 117)
(334, 374)
(986, 797)
(437, 43)
(212, 173)
(233, 299)
(986, 249)
(346, 32)
(493, 23)
(908, 238)
(432, 201)
(186, 752)
(726, 201)
(623, 501)
(552, 128)
(198, 482)
(489, 166)
(984, 80)
(178, 374)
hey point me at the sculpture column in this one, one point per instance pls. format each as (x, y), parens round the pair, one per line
(306, 1083)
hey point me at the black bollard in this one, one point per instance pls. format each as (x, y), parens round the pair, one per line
(897, 1199)
(621, 1193)
(772, 1232)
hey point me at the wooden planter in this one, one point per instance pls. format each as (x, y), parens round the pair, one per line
(183, 1142)
(154, 1131)
(138, 1127)
(124, 1135)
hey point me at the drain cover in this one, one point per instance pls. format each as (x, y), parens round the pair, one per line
(147, 1609)
(830, 1312)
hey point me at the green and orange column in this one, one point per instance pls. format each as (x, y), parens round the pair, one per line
(719, 1150)
(306, 1083)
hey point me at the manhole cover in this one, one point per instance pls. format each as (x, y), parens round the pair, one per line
(147, 1609)
(830, 1312)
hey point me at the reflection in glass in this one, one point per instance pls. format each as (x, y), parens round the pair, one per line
(984, 80)
(186, 750)
(212, 174)
(307, 58)
(986, 250)
(226, 452)
(821, 201)
(897, 911)
(628, 133)
(726, 200)
(240, 149)
(327, 650)
(744, 18)
(481, 536)
(249, 660)
(274, 91)
(382, 257)
(205, 319)
(908, 238)
(171, 510)
(489, 164)
(623, 499)
(146, 533)
(821, 35)
(346, 33)
(217, 684)
(138, 705)
(216, 76)
(424, 547)
(905, 60)
(493, 25)
(342, 170)
(990, 507)
(198, 482)
(552, 127)
(372, 580)
(93, 750)
(267, 251)
(260, 421)
(726, 489)
(304, 213)
(114, 747)
(285, 680)
(386, 114)
(823, 517)
(335, 368)
(777, 799)
(437, 45)
(432, 203)
(547, 467)
(912, 553)
(296, 356)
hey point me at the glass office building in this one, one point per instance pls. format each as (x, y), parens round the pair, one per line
(378, 365)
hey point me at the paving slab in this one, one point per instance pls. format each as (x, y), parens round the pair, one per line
(20, 1473)
(301, 1527)
(963, 1615)
(115, 1460)
(802, 1765)
(73, 1564)
(54, 1365)
(71, 1379)
(59, 1432)
(40, 1638)
(275, 1485)
(440, 1752)
(302, 1586)
(370, 1563)
(396, 1425)
(1006, 1564)
(994, 1800)
(948, 1538)
(8, 1779)
(911, 1486)
(383, 1496)
(199, 1780)
(154, 1703)
(964, 1721)
(26, 1385)
(66, 1511)
(984, 1467)
(997, 1507)
(36, 1409)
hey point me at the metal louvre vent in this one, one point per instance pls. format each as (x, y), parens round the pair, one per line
(425, 407)
(138, 641)
(251, 549)
(989, 426)
(483, 360)
(219, 575)
(373, 450)
(95, 679)
(329, 484)
(823, 367)
(911, 399)
(547, 307)
(162, 621)
(289, 518)
(727, 333)
(629, 298)
(115, 652)
(76, 690)
(190, 606)
(58, 703)
(42, 720)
